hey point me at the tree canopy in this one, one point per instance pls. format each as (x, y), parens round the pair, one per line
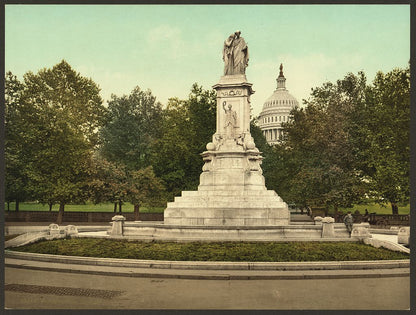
(131, 128)
(60, 112)
(381, 129)
(16, 154)
(349, 143)
(187, 127)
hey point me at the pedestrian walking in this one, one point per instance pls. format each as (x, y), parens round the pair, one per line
(348, 220)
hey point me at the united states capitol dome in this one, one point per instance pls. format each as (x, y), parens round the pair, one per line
(276, 110)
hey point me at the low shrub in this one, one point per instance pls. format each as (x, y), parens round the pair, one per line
(213, 251)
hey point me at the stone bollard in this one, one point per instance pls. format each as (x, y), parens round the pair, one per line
(54, 229)
(71, 230)
(403, 236)
(361, 231)
(118, 222)
(328, 227)
(318, 220)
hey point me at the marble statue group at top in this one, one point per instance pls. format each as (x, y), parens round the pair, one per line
(235, 54)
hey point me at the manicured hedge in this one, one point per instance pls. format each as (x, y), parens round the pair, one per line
(214, 251)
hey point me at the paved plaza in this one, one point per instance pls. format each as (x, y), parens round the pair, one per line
(31, 284)
(38, 289)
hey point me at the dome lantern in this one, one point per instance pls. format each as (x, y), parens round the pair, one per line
(281, 80)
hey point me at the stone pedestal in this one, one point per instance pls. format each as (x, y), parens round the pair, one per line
(318, 220)
(232, 190)
(117, 228)
(403, 236)
(54, 229)
(71, 230)
(361, 231)
(328, 227)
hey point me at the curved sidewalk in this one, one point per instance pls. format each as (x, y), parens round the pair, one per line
(208, 270)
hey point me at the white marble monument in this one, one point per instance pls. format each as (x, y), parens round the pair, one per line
(232, 190)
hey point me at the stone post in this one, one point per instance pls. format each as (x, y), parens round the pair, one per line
(117, 228)
(328, 227)
(403, 236)
(361, 231)
(54, 229)
(71, 230)
(318, 220)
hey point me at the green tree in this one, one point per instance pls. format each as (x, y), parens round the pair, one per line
(259, 139)
(131, 128)
(381, 132)
(276, 164)
(319, 151)
(62, 112)
(145, 189)
(202, 105)
(171, 153)
(108, 182)
(188, 125)
(16, 155)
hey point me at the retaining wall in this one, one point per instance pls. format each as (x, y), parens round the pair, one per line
(72, 216)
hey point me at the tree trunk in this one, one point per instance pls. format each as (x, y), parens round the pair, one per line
(17, 205)
(50, 206)
(115, 207)
(119, 207)
(8, 205)
(60, 213)
(336, 212)
(136, 212)
(394, 208)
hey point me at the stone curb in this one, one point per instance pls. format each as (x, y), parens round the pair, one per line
(203, 265)
(383, 231)
(20, 229)
(386, 244)
(209, 274)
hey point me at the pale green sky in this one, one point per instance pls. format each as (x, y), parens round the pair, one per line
(167, 48)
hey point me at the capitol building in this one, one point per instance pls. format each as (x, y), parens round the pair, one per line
(276, 110)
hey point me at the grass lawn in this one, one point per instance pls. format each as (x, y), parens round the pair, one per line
(215, 251)
(128, 207)
(90, 207)
(378, 209)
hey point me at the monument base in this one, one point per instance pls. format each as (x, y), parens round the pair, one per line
(231, 192)
(227, 208)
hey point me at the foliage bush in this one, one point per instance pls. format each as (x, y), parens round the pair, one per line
(213, 251)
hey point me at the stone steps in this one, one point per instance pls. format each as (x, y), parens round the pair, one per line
(228, 199)
(232, 221)
(225, 193)
(226, 202)
(227, 208)
(212, 212)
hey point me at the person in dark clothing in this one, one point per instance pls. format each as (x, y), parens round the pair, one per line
(348, 221)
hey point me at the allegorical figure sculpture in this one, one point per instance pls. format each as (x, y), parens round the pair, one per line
(235, 54)
(230, 121)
